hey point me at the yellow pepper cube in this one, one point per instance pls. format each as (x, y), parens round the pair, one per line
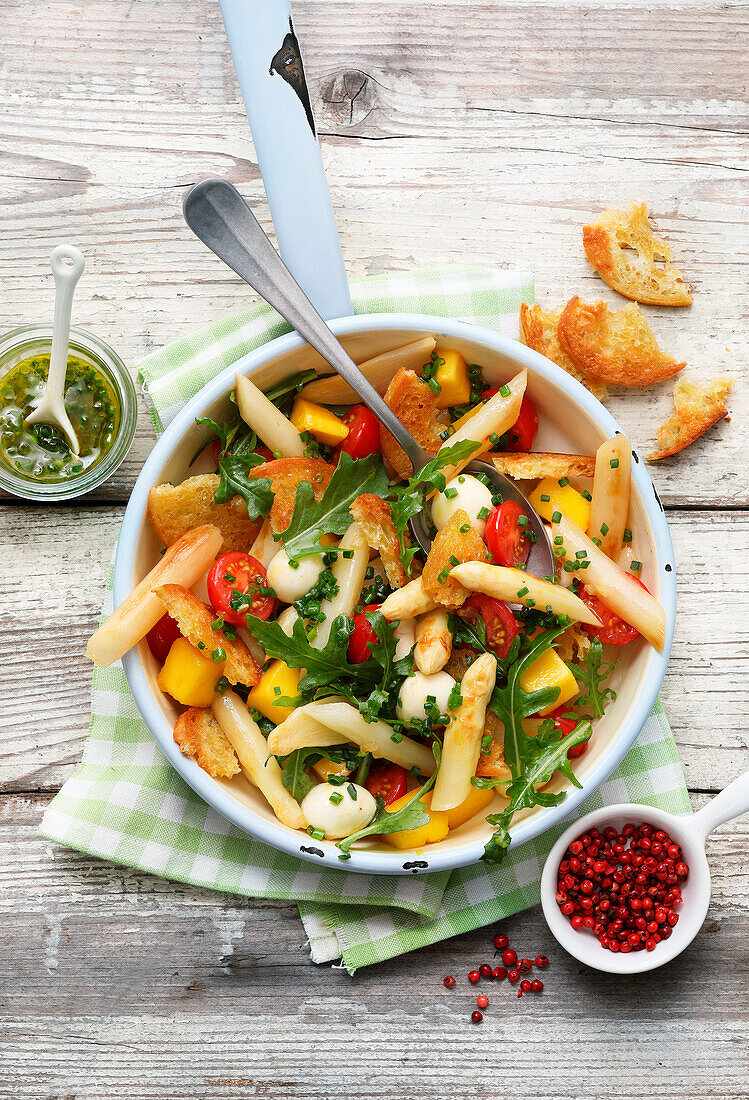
(549, 670)
(453, 378)
(325, 768)
(435, 829)
(562, 498)
(189, 676)
(473, 804)
(278, 681)
(321, 422)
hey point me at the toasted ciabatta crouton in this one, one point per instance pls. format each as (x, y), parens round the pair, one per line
(538, 330)
(175, 509)
(630, 258)
(415, 406)
(284, 475)
(200, 737)
(574, 643)
(697, 409)
(375, 521)
(492, 763)
(194, 619)
(615, 346)
(520, 465)
(451, 547)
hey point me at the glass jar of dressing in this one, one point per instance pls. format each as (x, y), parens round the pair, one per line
(36, 462)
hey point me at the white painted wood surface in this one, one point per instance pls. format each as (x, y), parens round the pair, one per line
(453, 131)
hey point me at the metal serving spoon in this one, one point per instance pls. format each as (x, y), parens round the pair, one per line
(219, 216)
(67, 265)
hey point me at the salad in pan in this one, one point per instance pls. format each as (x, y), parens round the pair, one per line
(365, 688)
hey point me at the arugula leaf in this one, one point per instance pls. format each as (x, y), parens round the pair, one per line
(473, 635)
(408, 499)
(256, 492)
(411, 816)
(323, 666)
(511, 704)
(592, 675)
(330, 515)
(550, 756)
(294, 771)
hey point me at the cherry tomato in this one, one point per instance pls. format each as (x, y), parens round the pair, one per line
(234, 573)
(565, 726)
(261, 451)
(501, 624)
(363, 437)
(362, 636)
(386, 781)
(161, 636)
(613, 631)
(505, 537)
(521, 435)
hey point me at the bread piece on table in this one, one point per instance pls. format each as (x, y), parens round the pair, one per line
(629, 257)
(538, 330)
(200, 737)
(194, 619)
(697, 408)
(528, 465)
(615, 346)
(449, 544)
(375, 521)
(415, 406)
(175, 509)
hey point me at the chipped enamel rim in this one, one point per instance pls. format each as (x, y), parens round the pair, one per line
(325, 853)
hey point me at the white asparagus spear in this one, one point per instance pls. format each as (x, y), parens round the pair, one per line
(434, 642)
(184, 562)
(275, 431)
(515, 586)
(407, 602)
(379, 370)
(462, 741)
(610, 496)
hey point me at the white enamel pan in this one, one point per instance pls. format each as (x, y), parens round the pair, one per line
(271, 77)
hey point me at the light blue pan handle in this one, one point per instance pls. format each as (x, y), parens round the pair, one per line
(271, 78)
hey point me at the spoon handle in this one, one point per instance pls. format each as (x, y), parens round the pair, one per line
(67, 264)
(731, 802)
(219, 216)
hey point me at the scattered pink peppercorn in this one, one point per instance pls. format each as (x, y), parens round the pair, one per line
(476, 1017)
(482, 1000)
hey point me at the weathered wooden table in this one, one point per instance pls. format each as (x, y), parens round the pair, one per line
(457, 131)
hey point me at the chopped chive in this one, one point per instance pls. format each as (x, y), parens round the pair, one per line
(293, 563)
(316, 834)
(277, 454)
(201, 645)
(556, 517)
(604, 528)
(596, 541)
(545, 498)
(559, 552)
(453, 560)
(614, 463)
(558, 540)
(569, 567)
(465, 528)
(530, 603)
(396, 737)
(451, 493)
(522, 521)
(486, 744)
(348, 553)
(586, 495)
(504, 391)
(581, 554)
(493, 438)
(352, 792)
(627, 536)
(497, 499)
(217, 623)
(522, 592)
(483, 513)
(636, 566)
(564, 481)
(336, 798)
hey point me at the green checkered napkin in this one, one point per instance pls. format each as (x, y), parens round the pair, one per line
(125, 803)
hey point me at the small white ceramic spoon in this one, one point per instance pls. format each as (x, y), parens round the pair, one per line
(689, 831)
(67, 265)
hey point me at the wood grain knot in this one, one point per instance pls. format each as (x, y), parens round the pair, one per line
(349, 97)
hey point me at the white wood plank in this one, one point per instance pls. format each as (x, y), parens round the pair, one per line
(46, 709)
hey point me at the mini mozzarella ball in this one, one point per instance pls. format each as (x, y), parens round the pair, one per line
(405, 638)
(413, 694)
(472, 496)
(342, 817)
(291, 584)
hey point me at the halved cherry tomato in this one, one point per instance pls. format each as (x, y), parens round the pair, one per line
(613, 631)
(161, 636)
(565, 726)
(363, 437)
(238, 574)
(260, 450)
(501, 624)
(362, 636)
(523, 432)
(386, 781)
(505, 537)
